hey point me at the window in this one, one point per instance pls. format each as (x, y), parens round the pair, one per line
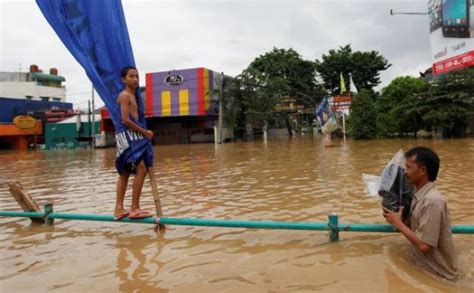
(44, 99)
(56, 99)
(29, 97)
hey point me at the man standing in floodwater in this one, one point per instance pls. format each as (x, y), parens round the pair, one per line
(129, 115)
(429, 227)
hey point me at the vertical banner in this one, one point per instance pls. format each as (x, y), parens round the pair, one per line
(95, 33)
(326, 117)
(451, 34)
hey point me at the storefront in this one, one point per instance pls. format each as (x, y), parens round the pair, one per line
(181, 106)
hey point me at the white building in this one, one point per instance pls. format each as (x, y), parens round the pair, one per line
(33, 85)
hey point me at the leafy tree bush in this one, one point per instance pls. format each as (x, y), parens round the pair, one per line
(363, 116)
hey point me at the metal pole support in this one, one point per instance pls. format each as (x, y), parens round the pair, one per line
(48, 209)
(333, 227)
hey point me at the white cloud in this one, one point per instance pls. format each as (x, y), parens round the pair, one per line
(226, 35)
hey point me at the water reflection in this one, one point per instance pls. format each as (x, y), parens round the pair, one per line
(283, 180)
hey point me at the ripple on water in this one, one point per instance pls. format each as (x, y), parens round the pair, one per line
(284, 180)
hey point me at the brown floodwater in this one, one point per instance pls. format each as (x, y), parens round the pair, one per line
(282, 180)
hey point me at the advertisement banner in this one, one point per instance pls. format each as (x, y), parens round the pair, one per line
(341, 103)
(451, 34)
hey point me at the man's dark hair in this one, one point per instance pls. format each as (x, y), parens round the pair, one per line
(426, 157)
(124, 71)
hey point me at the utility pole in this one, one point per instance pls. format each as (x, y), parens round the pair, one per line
(93, 118)
(89, 121)
(344, 125)
(221, 109)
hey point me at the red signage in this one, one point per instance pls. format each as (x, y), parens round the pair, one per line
(341, 103)
(461, 61)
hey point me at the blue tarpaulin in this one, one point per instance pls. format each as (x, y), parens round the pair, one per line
(95, 32)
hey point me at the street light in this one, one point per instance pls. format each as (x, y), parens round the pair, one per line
(407, 13)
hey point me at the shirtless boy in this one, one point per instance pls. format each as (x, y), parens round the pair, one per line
(129, 110)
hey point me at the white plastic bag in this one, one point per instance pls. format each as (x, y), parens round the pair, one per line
(390, 172)
(371, 184)
(394, 187)
(330, 126)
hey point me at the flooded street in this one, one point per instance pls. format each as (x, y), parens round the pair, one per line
(282, 180)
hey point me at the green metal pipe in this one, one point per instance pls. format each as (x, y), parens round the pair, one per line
(244, 224)
(100, 218)
(385, 228)
(457, 229)
(21, 214)
(462, 229)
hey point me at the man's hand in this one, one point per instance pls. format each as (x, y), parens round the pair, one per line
(393, 218)
(148, 134)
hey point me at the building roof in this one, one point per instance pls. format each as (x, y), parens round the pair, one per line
(45, 76)
(84, 119)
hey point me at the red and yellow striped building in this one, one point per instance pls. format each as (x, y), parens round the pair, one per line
(185, 92)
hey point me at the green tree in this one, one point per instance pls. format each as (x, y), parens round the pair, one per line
(250, 98)
(365, 68)
(285, 72)
(409, 104)
(268, 78)
(398, 106)
(232, 106)
(259, 95)
(448, 101)
(363, 116)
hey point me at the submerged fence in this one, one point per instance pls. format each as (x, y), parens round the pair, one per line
(332, 226)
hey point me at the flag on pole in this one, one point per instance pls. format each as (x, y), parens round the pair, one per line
(352, 86)
(343, 84)
(95, 33)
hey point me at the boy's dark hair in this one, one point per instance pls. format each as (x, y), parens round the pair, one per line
(426, 157)
(124, 71)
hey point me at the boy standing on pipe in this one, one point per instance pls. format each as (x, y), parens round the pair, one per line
(129, 114)
(429, 228)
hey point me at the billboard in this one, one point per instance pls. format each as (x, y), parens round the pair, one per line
(451, 34)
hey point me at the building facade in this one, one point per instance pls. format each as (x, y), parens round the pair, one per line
(181, 106)
(187, 92)
(33, 85)
(33, 96)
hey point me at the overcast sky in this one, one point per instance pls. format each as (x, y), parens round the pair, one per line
(225, 35)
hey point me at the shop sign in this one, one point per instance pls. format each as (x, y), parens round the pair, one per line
(24, 122)
(174, 79)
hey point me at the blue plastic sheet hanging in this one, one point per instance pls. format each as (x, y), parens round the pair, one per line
(95, 32)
